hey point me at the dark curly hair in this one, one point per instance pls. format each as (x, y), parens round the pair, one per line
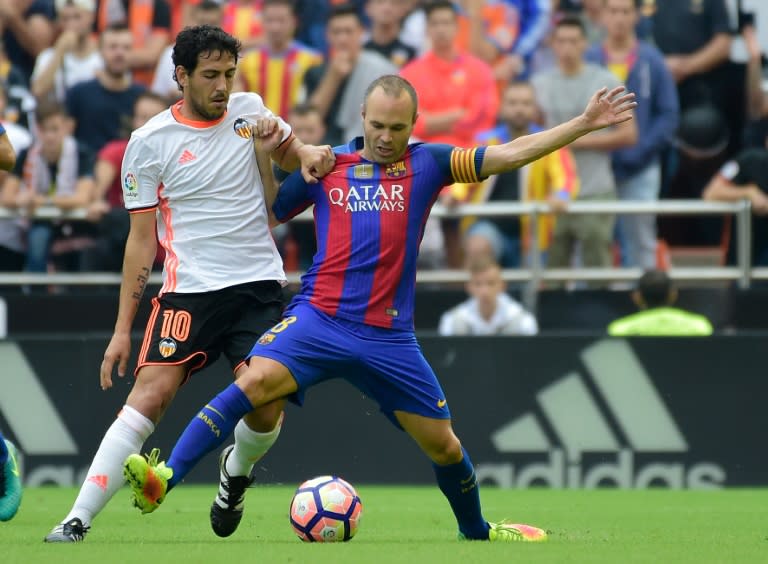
(191, 42)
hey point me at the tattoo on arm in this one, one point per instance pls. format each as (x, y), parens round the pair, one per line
(142, 279)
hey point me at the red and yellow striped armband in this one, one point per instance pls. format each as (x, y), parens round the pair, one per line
(466, 164)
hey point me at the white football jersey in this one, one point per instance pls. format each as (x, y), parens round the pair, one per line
(202, 181)
(510, 318)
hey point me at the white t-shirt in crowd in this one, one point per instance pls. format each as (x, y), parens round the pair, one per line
(510, 318)
(72, 70)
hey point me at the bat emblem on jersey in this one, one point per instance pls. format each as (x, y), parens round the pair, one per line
(243, 128)
(167, 347)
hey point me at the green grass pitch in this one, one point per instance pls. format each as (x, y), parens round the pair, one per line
(408, 525)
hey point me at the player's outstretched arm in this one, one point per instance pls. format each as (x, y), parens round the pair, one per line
(140, 250)
(605, 108)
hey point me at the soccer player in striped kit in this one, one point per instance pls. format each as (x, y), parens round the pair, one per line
(354, 314)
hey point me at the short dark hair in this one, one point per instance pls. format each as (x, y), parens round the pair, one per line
(393, 85)
(571, 21)
(49, 109)
(117, 27)
(208, 6)
(304, 109)
(439, 5)
(191, 42)
(290, 4)
(481, 263)
(153, 96)
(342, 10)
(637, 4)
(655, 287)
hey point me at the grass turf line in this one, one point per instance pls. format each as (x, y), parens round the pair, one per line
(407, 525)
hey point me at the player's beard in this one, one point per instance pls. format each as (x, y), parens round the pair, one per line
(205, 113)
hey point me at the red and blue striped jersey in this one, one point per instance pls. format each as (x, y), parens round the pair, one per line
(369, 221)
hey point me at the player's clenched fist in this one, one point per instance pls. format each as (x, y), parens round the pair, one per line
(266, 134)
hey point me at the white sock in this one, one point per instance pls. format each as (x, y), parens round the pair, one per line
(105, 476)
(250, 446)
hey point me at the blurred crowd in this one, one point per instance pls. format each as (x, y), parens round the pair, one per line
(77, 76)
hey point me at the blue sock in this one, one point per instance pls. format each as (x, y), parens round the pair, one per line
(3, 452)
(208, 430)
(459, 484)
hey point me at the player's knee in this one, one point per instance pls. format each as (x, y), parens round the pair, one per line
(152, 396)
(265, 418)
(446, 450)
(253, 382)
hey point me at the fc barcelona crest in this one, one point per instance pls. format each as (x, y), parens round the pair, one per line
(395, 170)
(167, 347)
(266, 338)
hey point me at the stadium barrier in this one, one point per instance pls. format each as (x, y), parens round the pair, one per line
(560, 412)
(532, 276)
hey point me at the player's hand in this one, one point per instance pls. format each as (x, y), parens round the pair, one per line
(118, 350)
(608, 108)
(316, 161)
(266, 135)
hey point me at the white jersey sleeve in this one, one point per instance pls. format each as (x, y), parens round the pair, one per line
(141, 175)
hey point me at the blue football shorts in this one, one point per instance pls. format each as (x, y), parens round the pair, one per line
(386, 365)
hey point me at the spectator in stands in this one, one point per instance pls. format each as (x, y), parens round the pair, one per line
(695, 39)
(637, 169)
(413, 32)
(106, 209)
(313, 30)
(552, 179)
(457, 94)
(244, 19)
(20, 103)
(74, 56)
(655, 296)
(746, 178)
(276, 69)
(336, 88)
(149, 22)
(307, 124)
(386, 17)
(101, 106)
(27, 28)
(19, 136)
(207, 12)
(504, 33)
(11, 230)
(561, 93)
(457, 99)
(757, 99)
(489, 310)
(55, 171)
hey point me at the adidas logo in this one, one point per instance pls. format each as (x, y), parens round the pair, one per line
(624, 415)
(186, 157)
(100, 480)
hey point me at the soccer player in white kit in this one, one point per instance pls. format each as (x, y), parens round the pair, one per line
(191, 180)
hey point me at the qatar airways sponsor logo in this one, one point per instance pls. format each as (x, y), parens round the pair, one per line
(368, 197)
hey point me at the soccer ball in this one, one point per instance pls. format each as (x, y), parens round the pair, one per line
(325, 509)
